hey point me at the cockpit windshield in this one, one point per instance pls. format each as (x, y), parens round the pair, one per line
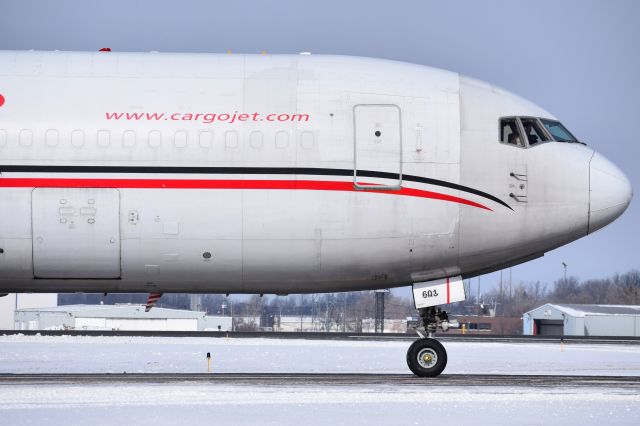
(558, 131)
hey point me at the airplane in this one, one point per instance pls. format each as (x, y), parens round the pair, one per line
(227, 173)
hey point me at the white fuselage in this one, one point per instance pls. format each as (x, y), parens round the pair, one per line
(203, 173)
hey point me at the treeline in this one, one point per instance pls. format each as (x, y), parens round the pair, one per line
(620, 289)
(328, 311)
(336, 309)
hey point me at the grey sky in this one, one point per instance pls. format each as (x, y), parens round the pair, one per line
(578, 59)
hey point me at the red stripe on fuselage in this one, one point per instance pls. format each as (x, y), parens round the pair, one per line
(448, 292)
(311, 185)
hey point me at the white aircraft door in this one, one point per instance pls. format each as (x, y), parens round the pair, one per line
(76, 232)
(377, 144)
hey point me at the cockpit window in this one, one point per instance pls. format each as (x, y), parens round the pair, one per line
(510, 133)
(558, 131)
(533, 131)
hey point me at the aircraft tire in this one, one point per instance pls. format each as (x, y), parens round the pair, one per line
(426, 358)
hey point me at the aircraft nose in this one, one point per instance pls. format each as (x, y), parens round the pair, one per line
(610, 192)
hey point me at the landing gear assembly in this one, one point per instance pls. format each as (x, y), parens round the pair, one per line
(427, 357)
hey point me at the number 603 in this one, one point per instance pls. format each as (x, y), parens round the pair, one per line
(429, 293)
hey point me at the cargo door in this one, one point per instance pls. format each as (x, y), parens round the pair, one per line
(378, 146)
(76, 232)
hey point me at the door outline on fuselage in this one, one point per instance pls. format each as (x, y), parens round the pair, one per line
(41, 263)
(398, 172)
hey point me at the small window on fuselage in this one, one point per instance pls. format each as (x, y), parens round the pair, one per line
(533, 131)
(510, 132)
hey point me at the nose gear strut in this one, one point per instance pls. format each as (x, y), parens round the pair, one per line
(427, 357)
(434, 318)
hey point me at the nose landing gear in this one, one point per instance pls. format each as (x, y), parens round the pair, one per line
(427, 357)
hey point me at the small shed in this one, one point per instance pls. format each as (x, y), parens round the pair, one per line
(582, 320)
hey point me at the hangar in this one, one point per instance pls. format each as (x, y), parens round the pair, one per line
(117, 317)
(10, 303)
(582, 320)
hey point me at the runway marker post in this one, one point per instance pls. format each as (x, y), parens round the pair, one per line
(208, 362)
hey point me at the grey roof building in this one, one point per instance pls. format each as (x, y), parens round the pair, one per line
(582, 320)
(117, 317)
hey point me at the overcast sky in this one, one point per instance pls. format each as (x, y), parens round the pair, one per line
(578, 59)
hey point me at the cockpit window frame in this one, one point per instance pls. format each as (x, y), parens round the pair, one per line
(520, 132)
(523, 135)
(540, 127)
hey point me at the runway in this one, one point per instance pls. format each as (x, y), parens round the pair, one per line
(277, 379)
(352, 380)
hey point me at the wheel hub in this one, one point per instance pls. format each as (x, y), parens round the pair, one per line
(427, 358)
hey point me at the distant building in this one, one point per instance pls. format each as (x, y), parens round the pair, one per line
(487, 324)
(390, 325)
(294, 323)
(286, 323)
(309, 323)
(582, 320)
(122, 317)
(11, 302)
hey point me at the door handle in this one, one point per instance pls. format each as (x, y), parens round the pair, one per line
(518, 176)
(518, 198)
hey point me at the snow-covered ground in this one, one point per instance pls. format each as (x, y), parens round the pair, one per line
(236, 404)
(82, 354)
(348, 405)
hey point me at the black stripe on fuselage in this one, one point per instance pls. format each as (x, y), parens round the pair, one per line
(248, 171)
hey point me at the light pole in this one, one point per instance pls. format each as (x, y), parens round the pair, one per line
(510, 283)
(565, 271)
(344, 312)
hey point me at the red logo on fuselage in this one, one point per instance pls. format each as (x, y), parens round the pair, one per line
(1, 100)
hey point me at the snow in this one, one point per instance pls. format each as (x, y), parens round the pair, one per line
(84, 354)
(308, 404)
(349, 405)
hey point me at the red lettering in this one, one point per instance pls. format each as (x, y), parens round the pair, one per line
(207, 118)
(155, 116)
(134, 115)
(114, 115)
